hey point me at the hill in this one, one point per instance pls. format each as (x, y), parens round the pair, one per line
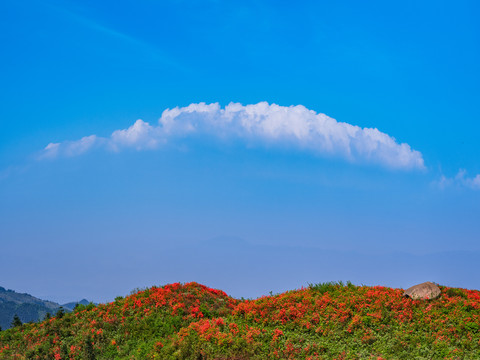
(27, 307)
(324, 321)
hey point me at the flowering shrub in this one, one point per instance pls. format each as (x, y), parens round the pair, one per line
(192, 321)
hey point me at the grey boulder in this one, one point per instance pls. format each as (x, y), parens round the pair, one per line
(423, 291)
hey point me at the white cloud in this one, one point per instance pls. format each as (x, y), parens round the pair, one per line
(474, 183)
(259, 124)
(70, 148)
(141, 135)
(460, 180)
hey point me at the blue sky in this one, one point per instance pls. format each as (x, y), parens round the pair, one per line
(252, 146)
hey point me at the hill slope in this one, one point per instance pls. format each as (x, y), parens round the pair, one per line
(27, 307)
(324, 321)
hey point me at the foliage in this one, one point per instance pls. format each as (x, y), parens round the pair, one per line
(16, 321)
(323, 321)
(60, 313)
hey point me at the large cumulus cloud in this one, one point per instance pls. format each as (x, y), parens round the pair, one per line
(259, 124)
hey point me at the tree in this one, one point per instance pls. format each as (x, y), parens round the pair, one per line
(47, 316)
(16, 321)
(60, 313)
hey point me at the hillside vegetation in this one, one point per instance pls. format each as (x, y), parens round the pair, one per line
(324, 321)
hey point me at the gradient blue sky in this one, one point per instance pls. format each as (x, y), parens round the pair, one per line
(246, 212)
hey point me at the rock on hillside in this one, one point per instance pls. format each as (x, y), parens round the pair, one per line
(423, 291)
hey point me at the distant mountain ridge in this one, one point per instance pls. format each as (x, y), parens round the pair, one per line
(71, 305)
(28, 307)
